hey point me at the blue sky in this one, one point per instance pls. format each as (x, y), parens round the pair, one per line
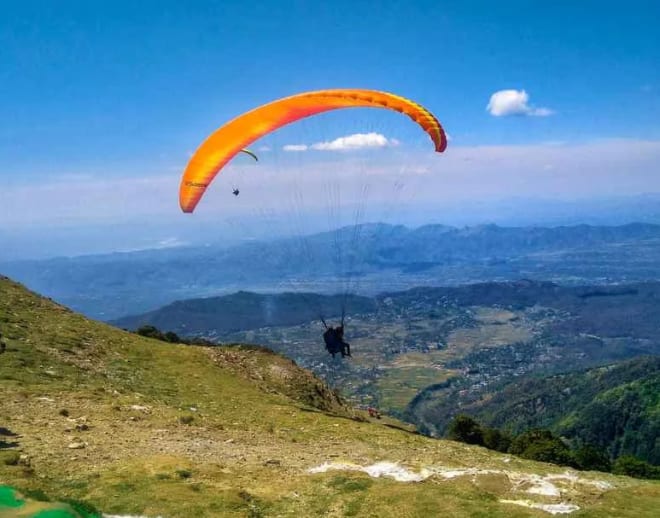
(93, 93)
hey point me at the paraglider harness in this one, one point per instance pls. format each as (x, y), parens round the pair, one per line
(334, 339)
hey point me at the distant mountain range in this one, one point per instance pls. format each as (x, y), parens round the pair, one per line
(368, 259)
(135, 233)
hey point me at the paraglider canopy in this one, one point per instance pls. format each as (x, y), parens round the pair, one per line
(232, 138)
(340, 252)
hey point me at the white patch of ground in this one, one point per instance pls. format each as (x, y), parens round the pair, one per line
(548, 508)
(534, 485)
(379, 469)
(574, 479)
(140, 408)
(453, 473)
(392, 470)
(551, 486)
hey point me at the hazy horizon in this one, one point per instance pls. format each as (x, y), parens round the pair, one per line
(71, 241)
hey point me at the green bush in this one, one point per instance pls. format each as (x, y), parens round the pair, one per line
(496, 440)
(589, 457)
(150, 332)
(543, 446)
(634, 467)
(465, 429)
(172, 337)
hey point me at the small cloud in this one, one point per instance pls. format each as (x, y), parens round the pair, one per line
(356, 141)
(514, 102)
(170, 242)
(295, 147)
(541, 112)
(349, 142)
(264, 149)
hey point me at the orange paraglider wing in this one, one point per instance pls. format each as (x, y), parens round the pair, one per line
(223, 144)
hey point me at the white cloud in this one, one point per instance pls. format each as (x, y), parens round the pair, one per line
(170, 242)
(264, 149)
(356, 141)
(541, 112)
(295, 147)
(514, 102)
(349, 142)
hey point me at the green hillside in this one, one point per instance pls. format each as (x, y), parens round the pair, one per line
(131, 425)
(616, 407)
(245, 310)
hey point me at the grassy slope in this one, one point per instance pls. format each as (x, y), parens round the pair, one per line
(256, 429)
